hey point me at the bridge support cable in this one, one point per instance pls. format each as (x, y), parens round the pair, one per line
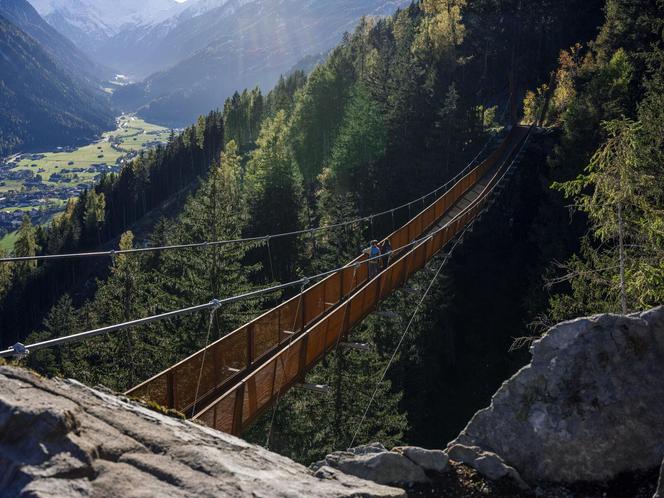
(458, 240)
(19, 350)
(247, 240)
(256, 389)
(269, 258)
(213, 311)
(402, 337)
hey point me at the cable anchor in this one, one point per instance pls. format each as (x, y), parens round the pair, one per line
(20, 351)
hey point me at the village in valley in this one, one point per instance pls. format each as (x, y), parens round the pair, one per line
(40, 184)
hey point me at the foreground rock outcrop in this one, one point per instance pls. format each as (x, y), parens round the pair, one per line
(403, 465)
(588, 407)
(62, 439)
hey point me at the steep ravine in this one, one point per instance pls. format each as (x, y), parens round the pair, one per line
(490, 290)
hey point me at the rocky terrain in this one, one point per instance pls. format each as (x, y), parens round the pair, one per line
(62, 439)
(584, 418)
(587, 408)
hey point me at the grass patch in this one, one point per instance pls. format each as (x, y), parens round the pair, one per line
(8, 241)
(56, 162)
(133, 134)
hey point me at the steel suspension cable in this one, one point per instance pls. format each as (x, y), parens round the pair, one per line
(213, 311)
(428, 289)
(403, 336)
(20, 349)
(245, 240)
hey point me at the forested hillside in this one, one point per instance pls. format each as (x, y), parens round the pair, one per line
(608, 102)
(396, 109)
(41, 104)
(98, 216)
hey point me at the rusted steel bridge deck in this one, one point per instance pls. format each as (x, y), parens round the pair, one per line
(244, 372)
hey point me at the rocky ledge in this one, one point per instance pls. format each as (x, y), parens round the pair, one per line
(584, 418)
(59, 438)
(589, 406)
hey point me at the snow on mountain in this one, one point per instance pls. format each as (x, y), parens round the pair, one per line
(110, 16)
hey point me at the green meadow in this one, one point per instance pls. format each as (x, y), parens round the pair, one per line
(7, 242)
(132, 135)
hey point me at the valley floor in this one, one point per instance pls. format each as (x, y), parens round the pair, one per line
(40, 183)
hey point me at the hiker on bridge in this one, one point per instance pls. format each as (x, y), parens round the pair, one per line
(373, 252)
(386, 251)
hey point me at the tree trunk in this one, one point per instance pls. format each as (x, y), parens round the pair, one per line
(621, 244)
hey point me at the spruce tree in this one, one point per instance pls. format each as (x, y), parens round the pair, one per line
(275, 197)
(25, 246)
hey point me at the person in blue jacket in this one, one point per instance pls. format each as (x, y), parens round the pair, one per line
(374, 252)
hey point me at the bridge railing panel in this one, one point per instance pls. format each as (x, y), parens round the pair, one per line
(264, 334)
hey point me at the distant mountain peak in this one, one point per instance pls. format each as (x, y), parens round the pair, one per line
(110, 16)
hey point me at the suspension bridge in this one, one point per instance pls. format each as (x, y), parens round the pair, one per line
(235, 379)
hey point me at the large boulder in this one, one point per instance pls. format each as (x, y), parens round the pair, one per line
(589, 405)
(62, 439)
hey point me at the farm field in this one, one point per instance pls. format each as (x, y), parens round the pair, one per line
(84, 157)
(132, 135)
(40, 183)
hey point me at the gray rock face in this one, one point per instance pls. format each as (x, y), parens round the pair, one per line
(486, 463)
(402, 465)
(589, 405)
(659, 493)
(62, 439)
(429, 460)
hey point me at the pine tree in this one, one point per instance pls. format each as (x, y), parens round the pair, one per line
(62, 320)
(25, 246)
(622, 199)
(361, 141)
(275, 196)
(95, 214)
(442, 30)
(6, 276)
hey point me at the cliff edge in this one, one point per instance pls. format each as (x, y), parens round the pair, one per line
(59, 438)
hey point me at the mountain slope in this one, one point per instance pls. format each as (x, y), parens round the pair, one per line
(40, 105)
(63, 51)
(252, 46)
